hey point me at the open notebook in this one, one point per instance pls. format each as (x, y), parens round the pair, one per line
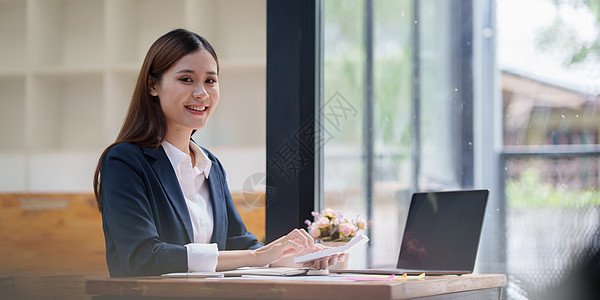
(264, 271)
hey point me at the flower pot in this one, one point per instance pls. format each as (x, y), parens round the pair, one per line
(342, 264)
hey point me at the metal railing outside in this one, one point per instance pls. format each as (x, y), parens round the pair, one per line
(552, 217)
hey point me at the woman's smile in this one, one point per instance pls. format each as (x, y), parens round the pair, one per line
(196, 108)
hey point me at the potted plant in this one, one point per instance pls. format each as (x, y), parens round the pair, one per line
(330, 228)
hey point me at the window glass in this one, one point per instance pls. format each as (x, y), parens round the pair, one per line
(437, 94)
(548, 71)
(545, 154)
(396, 145)
(344, 86)
(392, 127)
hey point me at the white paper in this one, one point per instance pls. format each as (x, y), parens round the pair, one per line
(265, 271)
(330, 278)
(194, 275)
(358, 240)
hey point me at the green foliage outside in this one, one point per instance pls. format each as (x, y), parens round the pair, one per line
(531, 192)
(344, 66)
(564, 38)
(344, 74)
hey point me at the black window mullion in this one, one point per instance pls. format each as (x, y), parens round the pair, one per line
(368, 142)
(416, 98)
(461, 47)
(291, 89)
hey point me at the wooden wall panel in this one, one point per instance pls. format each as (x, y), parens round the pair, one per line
(252, 209)
(51, 234)
(62, 233)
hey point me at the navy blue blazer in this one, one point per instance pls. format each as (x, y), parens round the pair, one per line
(145, 218)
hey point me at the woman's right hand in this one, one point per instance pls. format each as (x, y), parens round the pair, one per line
(292, 243)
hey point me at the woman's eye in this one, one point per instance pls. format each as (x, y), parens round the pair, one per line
(210, 80)
(185, 79)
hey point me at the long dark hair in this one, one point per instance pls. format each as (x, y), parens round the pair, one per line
(145, 123)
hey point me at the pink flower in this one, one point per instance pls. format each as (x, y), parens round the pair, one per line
(362, 224)
(348, 229)
(322, 222)
(354, 230)
(315, 232)
(328, 213)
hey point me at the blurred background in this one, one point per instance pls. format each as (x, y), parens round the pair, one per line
(67, 73)
(492, 94)
(437, 95)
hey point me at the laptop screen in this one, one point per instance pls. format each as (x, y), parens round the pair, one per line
(442, 230)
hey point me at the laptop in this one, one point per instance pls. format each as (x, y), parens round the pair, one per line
(441, 236)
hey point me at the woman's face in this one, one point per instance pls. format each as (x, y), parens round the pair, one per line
(188, 92)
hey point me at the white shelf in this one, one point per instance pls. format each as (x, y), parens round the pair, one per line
(66, 111)
(134, 24)
(119, 89)
(13, 35)
(67, 70)
(12, 113)
(68, 32)
(69, 67)
(236, 64)
(56, 171)
(15, 179)
(12, 72)
(128, 68)
(239, 31)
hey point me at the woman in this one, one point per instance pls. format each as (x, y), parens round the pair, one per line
(164, 200)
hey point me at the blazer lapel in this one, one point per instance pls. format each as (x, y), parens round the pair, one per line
(166, 175)
(218, 204)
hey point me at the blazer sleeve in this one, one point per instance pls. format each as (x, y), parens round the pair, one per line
(238, 237)
(134, 247)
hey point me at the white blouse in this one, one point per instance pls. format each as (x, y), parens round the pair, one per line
(202, 256)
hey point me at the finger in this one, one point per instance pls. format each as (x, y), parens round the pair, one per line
(319, 247)
(317, 264)
(294, 246)
(297, 236)
(323, 263)
(279, 240)
(316, 248)
(332, 261)
(305, 237)
(309, 238)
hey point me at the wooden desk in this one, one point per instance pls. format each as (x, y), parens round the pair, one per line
(482, 286)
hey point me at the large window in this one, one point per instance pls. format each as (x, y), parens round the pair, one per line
(403, 70)
(437, 95)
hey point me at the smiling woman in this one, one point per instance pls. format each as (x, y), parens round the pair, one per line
(165, 202)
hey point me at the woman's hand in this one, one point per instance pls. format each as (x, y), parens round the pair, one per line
(290, 245)
(287, 260)
(278, 253)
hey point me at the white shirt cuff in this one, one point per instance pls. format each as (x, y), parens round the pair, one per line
(202, 257)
